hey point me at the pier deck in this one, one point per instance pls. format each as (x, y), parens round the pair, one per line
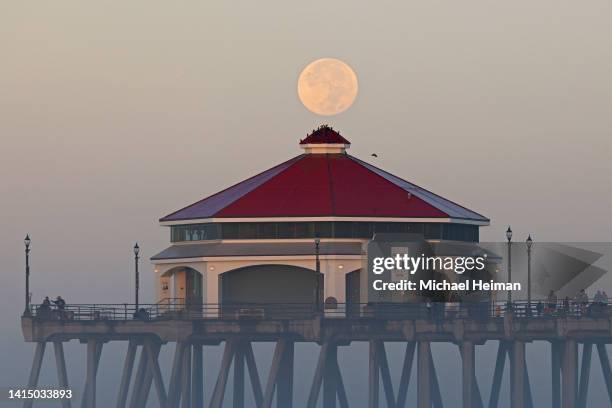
(236, 328)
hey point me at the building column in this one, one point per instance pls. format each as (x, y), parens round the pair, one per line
(341, 282)
(211, 279)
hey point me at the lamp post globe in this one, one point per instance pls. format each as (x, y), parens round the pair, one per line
(529, 242)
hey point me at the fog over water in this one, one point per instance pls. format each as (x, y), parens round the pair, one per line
(113, 114)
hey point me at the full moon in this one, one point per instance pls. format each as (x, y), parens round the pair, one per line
(327, 86)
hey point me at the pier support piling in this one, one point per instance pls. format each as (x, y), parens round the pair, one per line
(62, 373)
(555, 357)
(528, 394)
(284, 391)
(317, 379)
(219, 390)
(517, 374)
(174, 388)
(145, 390)
(126, 375)
(186, 378)
(500, 364)
(605, 367)
(569, 369)
(197, 380)
(39, 354)
(402, 391)
(585, 372)
(385, 374)
(373, 376)
(342, 397)
(468, 373)
(152, 349)
(94, 350)
(436, 395)
(238, 394)
(424, 375)
(271, 385)
(330, 377)
(251, 364)
(138, 380)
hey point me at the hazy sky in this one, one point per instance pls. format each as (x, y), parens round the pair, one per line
(116, 113)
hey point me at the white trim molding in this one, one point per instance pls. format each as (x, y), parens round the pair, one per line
(445, 220)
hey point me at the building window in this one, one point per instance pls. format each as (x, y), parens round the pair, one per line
(267, 230)
(309, 230)
(247, 230)
(230, 230)
(286, 230)
(344, 229)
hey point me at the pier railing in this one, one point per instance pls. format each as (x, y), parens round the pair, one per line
(180, 310)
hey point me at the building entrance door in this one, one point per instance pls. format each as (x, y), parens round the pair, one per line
(188, 284)
(270, 290)
(193, 288)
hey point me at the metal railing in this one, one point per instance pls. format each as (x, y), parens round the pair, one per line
(180, 310)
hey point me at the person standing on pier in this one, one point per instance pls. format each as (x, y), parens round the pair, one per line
(582, 300)
(46, 304)
(539, 308)
(552, 302)
(566, 306)
(60, 303)
(44, 311)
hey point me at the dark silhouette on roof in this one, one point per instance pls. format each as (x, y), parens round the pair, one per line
(325, 134)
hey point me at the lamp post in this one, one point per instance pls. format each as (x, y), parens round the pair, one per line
(27, 242)
(317, 242)
(529, 243)
(136, 258)
(509, 238)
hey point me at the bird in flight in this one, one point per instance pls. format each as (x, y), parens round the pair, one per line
(374, 155)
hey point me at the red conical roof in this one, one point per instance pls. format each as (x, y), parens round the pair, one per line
(324, 185)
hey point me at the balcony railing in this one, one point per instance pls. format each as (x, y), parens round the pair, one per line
(177, 309)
